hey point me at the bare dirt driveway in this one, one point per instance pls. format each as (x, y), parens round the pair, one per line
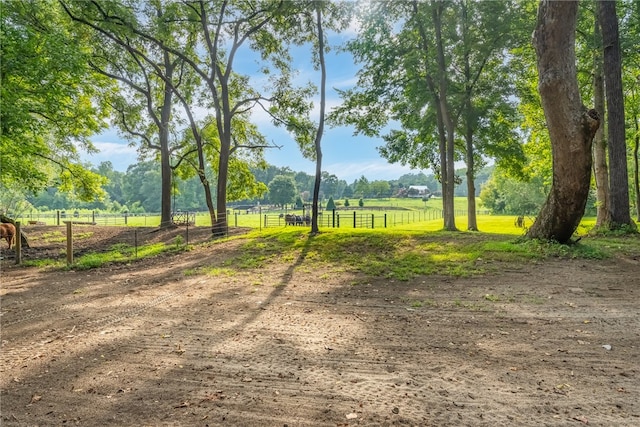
(186, 340)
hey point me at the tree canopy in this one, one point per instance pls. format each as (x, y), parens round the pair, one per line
(51, 100)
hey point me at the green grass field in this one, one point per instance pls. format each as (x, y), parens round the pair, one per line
(415, 245)
(403, 213)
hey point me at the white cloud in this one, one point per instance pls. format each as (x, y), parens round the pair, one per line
(373, 170)
(120, 154)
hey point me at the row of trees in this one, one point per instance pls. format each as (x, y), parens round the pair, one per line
(138, 190)
(440, 81)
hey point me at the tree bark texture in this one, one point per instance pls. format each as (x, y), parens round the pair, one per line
(165, 154)
(618, 172)
(318, 140)
(636, 167)
(571, 126)
(448, 172)
(600, 169)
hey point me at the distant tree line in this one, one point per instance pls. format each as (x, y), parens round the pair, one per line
(138, 189)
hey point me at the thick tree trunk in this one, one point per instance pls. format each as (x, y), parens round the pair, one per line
(571, 127)
(165, 160)
(618, 172)
(220, 225)
(600, 169)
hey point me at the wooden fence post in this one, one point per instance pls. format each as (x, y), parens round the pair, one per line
(69, 243)
(18, 247)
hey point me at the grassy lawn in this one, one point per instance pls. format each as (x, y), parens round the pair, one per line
(419, 249)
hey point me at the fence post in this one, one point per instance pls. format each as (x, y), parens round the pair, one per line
(334, 219)
(372, 220)
(18, 246)
(385, 220)
(69, 243)
(354, 219)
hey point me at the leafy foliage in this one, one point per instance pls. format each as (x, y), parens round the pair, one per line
(282, 190)
(50, 100)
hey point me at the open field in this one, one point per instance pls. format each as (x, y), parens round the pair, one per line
(351, 327)
(243, 218)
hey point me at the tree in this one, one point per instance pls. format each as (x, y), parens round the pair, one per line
(431, 67)
(282, 190)
(600, 169)
(51, 101)
(361, 186)
(331, 205)
(618, 172)
(148, 78)
(571, 127)
(222, 30)
(142, 184)
(380, 188)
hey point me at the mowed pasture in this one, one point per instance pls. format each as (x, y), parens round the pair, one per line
(406, 208)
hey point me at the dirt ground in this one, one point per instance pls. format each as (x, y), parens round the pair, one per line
(154, 344)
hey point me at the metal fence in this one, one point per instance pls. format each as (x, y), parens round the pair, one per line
(355, 219)
(88, 218)
(255, 219)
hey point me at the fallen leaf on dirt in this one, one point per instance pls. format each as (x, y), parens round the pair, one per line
(247, 379)
(582, 419)
(35, 398)
(184, 404)
(352, 416)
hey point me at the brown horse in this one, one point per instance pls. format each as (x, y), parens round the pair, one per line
(8, 232)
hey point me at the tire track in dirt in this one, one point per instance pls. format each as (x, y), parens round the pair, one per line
(52, 329)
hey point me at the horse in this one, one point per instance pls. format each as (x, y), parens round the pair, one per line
(290, 219)
(8, 232)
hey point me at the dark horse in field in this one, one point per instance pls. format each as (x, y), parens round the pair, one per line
(291, 219)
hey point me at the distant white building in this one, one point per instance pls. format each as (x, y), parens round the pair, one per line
(418, 191)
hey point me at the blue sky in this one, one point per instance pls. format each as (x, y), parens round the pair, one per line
(347, 156)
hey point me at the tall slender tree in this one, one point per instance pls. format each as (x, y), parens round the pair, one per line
(600, 168)
(618, 172)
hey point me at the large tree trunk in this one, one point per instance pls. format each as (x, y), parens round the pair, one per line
(618, 172)
(220, 226)
(165, 160)
(600, 169)
(571, 127)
